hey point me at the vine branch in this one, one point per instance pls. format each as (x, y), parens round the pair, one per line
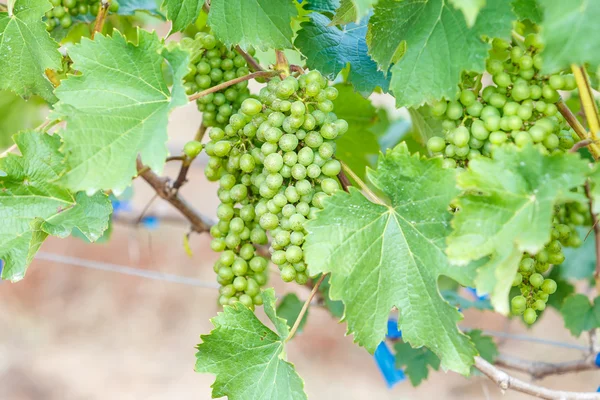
(163, 190)
(540, 369)
(101, 17)
(506, 382)
(232, 82)
(374, 198)
(578, 128)
(587, 100)
(305, 307)
(187, 162)
(596, 227)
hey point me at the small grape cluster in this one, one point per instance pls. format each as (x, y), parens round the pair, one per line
(275, 167)
(214, 65)
(63, 11)
(535, 290)
(519, 108)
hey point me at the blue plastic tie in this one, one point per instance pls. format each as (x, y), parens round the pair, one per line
(598, 360)
(473, 291)
(392, 329)
(150, 222)
(387, 365)
(119, 206)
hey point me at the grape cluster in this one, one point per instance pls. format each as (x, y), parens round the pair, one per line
(534, 288)
(275, 167)
(214, 65)
(63, 11)
(520, 107)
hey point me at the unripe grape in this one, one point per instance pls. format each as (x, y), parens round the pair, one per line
(529, 316)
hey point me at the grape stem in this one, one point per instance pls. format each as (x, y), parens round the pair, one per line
(596, 227)
(505, 382)
(162, 188)
(252, 63)
(304, 308)
(101, 17)
(232, 82)
(587, 100)
(374, 198)
(187, 162)
(577, 127)
(539, 369)
(580, 145)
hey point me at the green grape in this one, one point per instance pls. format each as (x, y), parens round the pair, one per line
(529, 316)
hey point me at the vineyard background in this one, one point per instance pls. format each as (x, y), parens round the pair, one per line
(71, 333)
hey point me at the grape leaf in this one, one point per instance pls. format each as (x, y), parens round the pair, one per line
(129, 7)
(470, 9)
(247, 357)
(580, 262)
(528, 9)
(563, 287)
(374, 251)
(415, 362)
(345, 14)
(259, 23)
(335, 307)
(329, 49)
(460, 302)
(26, 50)
(425, 125)
(580, 315)
(430, 45)
(507, 209)
(182, 12)
(17, 115)
(485, 345)
(565, 24)
(323, 5)
(363, 8)
(118, 107)
(289, 309)
(358, 147)
(33, 207)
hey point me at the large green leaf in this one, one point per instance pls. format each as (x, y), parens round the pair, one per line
(32, 206)
(330, 49)
(580, 262)
(129, 7)
(26, 50)
(507, 209)
(17, 114)
(247, 357)
(425, 125)
(116, 109)
(358, 147)
(470, 8)
(381, 256)
(289, 309)
(415, 362)
(259, 23)
(430, 44)
(528, 9)
(182, 12)
(580, 315)
(569, 30)
(322, 5)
